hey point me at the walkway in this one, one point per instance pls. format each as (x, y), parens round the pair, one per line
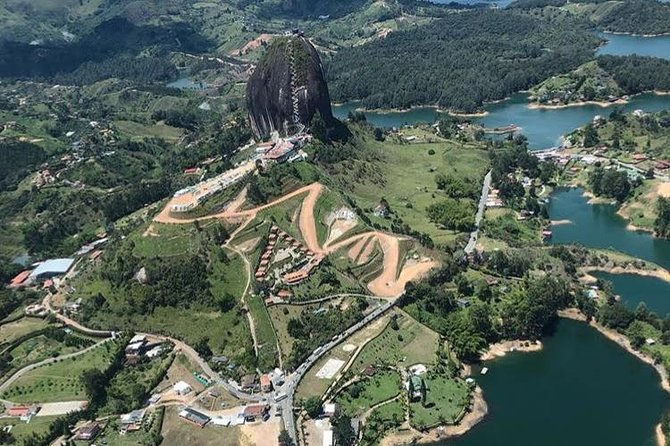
(472, 243)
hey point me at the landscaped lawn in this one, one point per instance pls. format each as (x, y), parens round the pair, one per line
(412, 343)
(381, 420)
(445, 400)
(359, 397)
(59, 381)
(311, 384)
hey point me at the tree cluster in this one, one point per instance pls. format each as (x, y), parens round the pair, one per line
(610, 183)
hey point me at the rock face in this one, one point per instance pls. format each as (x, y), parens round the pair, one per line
(287, 89)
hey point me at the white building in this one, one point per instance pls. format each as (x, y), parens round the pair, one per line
(182, 388)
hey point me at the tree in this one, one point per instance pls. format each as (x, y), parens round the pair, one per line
(285, 439)
(312, 405)
(203, 349)
(379, 134)
(343, 432)
(662, 222)
(591, 138)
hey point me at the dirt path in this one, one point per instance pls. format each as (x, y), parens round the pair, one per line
(390, 283)
(366, 252)
(355, 250)
(307, 223)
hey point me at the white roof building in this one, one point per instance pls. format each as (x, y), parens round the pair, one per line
(137, 338)
(328, 438)
(50, 268)
(182, 388)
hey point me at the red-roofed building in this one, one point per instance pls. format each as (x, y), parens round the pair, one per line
(22, 411)
(251, 413)
(266, 384)
(191, 171)
(19, 279)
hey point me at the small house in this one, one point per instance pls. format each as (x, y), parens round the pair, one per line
(132, 421)
(252, 413)
(329, 409)
(195, 417)
(266, 384)
(248, 382)
(88, 432)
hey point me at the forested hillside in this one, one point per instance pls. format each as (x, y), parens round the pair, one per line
(460, 61)
(637, 17)
(604, 79)
(635, 74)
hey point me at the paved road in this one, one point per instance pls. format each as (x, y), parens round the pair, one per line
(295, 378)
(291, 381)
(480, 214)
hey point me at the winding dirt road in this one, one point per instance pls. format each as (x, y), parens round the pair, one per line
(390, 283)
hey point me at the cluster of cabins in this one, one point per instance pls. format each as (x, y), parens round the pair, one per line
(295, 276)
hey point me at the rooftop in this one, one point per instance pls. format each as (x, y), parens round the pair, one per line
(52, 266)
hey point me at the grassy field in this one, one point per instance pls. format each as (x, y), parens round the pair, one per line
(265, 333)
(230, 277)
(327, 202)
(412, 343)
(37, 349)
(181, 369)
(171, 240)
(381, 387)
(158, 130)
(318, 284)
(405, 177)
(640, 209)
(179, 432)
(14, 330)
(59, 381)
(22, 430)
(445, 400)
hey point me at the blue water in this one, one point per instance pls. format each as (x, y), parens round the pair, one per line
(542, 127)
(622, 45)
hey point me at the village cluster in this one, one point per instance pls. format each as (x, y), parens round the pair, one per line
(281, 150)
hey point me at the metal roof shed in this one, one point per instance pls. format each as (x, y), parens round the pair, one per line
(52, 267)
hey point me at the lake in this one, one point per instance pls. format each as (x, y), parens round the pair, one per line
(580, 390)
(543, 127)
(599, 226)
(633, 289)
(623, 44)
